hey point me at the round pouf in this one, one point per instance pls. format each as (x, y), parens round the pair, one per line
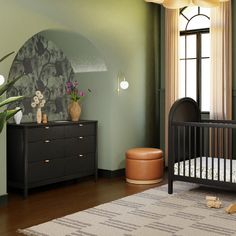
(144, 166)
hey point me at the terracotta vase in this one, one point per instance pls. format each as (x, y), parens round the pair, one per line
(39, 116)
(74, 110)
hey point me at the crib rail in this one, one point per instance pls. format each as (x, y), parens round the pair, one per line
(202, 151)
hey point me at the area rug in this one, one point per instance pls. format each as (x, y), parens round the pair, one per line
(149, 213)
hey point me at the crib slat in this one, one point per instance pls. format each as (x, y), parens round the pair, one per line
(213, 153)
(173, 146)
(178, 141)
(231, 155)
(184, 148)
(224, 152)
(189, 149)
(195, 151)
(201, 152)
(218, 147)
(207, 151)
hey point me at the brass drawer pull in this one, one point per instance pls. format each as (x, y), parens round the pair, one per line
(80, 155)
(47, 127)
(81, 137)
(47, 141)
(46, 161)
(81, 125)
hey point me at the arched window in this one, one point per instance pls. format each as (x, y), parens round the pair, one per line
(195, 55)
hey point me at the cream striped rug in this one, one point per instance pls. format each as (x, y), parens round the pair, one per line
(149, 213)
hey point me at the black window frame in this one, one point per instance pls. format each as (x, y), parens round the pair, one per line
(198, 32)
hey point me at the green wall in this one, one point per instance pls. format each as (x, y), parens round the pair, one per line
(122, 31)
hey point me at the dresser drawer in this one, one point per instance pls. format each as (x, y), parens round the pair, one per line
(46, 149)
(80, 129)
(45, 132)
(80, 145)
(81, 164)
(45, 170)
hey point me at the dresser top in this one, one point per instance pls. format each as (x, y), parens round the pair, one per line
(52, 123)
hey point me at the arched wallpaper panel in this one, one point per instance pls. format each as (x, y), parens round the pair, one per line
(44, 67)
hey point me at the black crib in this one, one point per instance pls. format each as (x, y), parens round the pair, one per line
(199, 151)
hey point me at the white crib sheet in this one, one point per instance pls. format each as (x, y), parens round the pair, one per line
(209, 167)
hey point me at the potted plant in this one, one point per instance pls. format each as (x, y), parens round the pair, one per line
(75, 96)
(5, 113)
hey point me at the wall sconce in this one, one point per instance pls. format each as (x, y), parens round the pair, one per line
(122, 83)
(2, 79)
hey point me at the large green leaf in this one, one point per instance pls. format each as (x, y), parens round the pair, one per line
(3, 116)
(7, 114)
(11, 113)
(10, 100)
(3, 58)
(8, 85)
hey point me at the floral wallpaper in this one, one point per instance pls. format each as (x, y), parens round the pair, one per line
(44, 67)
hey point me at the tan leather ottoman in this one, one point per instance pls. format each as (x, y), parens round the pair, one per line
(144, 166)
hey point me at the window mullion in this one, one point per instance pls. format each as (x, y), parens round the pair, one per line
(199, 69)
(185, 74)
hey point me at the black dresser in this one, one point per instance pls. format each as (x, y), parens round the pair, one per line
(40, 154)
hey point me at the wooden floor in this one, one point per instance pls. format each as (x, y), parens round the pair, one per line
(56, 201)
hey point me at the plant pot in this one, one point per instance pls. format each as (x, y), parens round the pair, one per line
(74, 110)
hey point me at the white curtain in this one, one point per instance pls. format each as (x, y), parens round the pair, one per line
(171, 65)
(221, 71)
(221, 62)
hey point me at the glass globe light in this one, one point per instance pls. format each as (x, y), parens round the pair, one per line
(124, 84)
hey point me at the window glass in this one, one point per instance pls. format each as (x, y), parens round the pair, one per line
(206, 45)
(189, 12)
(198, 22)
(182, 79)
(205, 11)
(205, 88)
(191, 79)
(182, 22)
(191, 46)
(182, 47)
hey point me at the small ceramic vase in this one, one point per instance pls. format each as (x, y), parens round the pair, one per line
(18, 116)
(39, 116)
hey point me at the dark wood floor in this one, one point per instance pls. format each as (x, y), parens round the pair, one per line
(56, 201)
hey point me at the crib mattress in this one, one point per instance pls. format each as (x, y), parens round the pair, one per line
(206, 169)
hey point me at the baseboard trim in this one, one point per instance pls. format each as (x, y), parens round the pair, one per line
(3, 200)
(111, 173)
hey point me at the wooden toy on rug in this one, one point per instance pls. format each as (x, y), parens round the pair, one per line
(231, 209)
(213, 202)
